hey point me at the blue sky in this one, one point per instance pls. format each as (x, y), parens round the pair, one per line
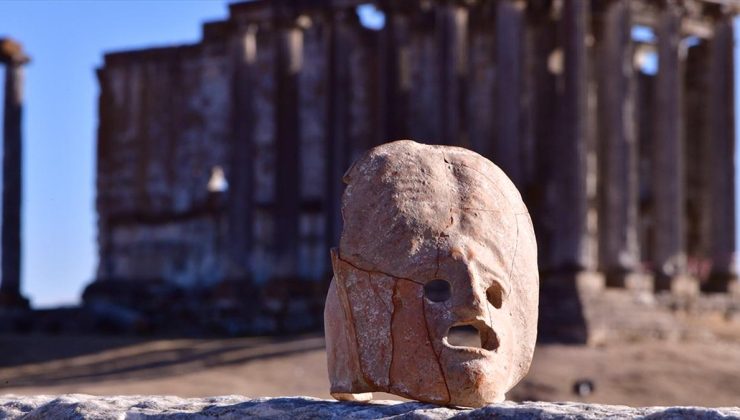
(67, 40)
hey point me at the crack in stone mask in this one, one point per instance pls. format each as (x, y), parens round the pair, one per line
(436, 242)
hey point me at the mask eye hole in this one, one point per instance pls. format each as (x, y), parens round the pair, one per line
(495, 295)
(437, 290)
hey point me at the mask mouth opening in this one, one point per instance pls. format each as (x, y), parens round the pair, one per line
(472, 335)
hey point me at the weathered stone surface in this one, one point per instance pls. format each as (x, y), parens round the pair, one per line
(159, 113)
(417, 216)
(77, 406)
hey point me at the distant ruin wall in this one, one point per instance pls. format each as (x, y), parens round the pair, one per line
(628, 173)
(282, 106)
(165, 125)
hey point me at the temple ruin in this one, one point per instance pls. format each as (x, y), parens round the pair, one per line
(222, 160)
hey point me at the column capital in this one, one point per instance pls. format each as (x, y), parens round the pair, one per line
(11, 52)
(289, 23)
(290, 15)
(720, 11)
(678, 4)
(400, 6)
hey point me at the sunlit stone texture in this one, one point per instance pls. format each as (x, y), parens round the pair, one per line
(435, 238)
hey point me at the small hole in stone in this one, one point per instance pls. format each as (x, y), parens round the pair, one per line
(476, 334)
(495, 295)
(464, 336)
(437, 290)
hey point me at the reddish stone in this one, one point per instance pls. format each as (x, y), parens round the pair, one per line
(445, 233)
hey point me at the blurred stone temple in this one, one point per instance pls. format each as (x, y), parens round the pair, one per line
(220, 163)
(13, 59)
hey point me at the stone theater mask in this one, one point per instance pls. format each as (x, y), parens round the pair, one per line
(434, 237)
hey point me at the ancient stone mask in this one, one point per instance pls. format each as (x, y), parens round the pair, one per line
(434, 237)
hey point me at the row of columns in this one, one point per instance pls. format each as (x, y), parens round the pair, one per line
(595, 181)
(287, 82)
(13, 58)
(619, 248)
(513, 140)
(579, 168)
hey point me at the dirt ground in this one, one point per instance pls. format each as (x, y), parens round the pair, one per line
(705, 372)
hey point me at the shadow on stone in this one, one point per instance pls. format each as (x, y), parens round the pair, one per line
(561, 317)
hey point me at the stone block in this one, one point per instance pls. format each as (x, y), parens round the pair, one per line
(79, 406)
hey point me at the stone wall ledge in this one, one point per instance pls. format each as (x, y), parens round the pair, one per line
(78, 406)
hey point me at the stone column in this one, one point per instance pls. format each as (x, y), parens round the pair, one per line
(11, 54)
(644, 100)
(543, 85)
(721, 118)
(536, 23)
(313, 100)
(394, 73)
(667, 163)
(289, 48)
(697, 149)
(241, 178)
(572, 252)
(618, 187)
(452, 39)
(337, 143)
(567, 260)
(507, 153)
